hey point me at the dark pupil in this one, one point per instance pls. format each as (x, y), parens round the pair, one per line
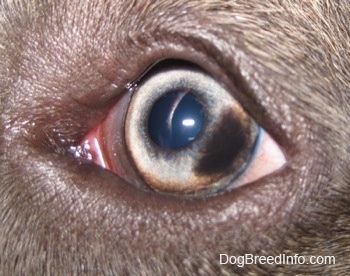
(175, 119)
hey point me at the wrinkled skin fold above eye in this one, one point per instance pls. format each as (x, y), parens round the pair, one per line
(64, 64)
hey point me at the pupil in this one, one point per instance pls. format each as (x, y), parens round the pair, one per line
(175, 119)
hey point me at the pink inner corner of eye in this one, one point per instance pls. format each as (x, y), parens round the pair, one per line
(91, 142)
(90, 150)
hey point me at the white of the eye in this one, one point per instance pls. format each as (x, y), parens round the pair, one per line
(268, 159)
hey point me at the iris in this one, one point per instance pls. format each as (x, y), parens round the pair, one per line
(175, 119)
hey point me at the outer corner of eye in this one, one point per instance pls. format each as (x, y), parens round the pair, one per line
(267, 158)
(182, 133)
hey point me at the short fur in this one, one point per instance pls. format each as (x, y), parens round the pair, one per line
(62, 65)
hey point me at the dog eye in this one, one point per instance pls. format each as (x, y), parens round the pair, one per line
(178, 131)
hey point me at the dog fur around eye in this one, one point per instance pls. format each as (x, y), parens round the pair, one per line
(62, 64)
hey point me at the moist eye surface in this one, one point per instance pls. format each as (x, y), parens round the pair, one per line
(178, 131)
(186, 134)
(175, 119)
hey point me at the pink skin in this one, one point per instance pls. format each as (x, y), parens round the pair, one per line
(268, 159)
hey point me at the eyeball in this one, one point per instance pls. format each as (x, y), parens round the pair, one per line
(183, 134)
(186, 134)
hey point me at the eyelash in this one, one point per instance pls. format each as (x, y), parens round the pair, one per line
(94, 145)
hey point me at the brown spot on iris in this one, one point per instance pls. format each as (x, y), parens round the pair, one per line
(228, 140)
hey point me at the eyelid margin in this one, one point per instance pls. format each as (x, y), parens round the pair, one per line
(99, 158)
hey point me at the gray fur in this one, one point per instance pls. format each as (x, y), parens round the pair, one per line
(62, 63)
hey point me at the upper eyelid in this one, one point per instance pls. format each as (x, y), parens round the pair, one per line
(229, 63)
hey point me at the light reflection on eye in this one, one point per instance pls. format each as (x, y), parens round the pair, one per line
(181, 133)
